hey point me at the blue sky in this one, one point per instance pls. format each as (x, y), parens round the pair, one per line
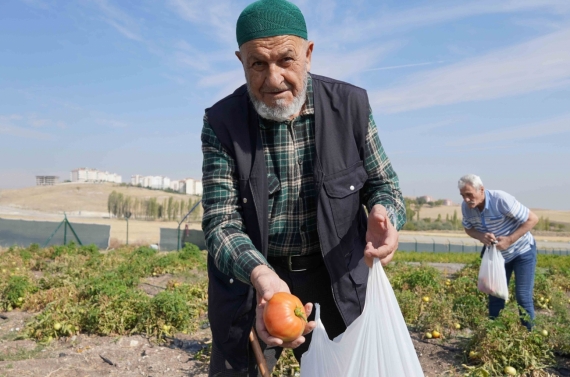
(456, 87)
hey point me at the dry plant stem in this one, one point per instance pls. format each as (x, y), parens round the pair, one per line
(261, 363)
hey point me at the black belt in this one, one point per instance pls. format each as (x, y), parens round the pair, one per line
(297, 263)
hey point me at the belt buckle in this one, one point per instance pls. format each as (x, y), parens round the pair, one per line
(290, 264)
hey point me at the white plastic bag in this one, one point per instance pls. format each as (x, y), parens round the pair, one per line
(376, 344)
(492, 274)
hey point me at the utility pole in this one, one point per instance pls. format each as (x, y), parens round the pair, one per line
(127, 215)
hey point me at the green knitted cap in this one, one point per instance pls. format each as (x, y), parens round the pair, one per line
(269, 18)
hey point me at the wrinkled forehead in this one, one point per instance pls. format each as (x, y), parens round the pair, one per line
(278, 45)
(469, 189)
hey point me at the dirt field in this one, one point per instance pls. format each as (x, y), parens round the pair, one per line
(131, 356)
(75, 197)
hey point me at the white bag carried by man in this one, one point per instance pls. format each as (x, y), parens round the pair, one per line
(492, 274)
(376, 344)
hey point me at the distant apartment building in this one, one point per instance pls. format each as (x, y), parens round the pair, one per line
(94, 175)
(137, 180)
(447, 202)
(190, 186)
(198, 188)
(46, 180)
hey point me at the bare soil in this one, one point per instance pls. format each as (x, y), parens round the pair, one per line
(178, 356)
(130, 356)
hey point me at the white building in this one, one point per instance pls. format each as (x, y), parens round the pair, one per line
(174, 185)
(165, 183)
(198, 189)
(190, 186)
(187, 186)
(137, 180)
(156, 182)
(47, 180)
(94, 175)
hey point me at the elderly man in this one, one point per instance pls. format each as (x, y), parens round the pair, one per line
(495, 217)
(290, 161)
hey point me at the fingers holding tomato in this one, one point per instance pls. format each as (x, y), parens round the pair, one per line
(282, 321)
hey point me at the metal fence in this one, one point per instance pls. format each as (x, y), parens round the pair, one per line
(463, 247)
(169, 238)
(169, 242)
(46, 233)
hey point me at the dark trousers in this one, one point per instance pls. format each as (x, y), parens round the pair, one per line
(524, 267)
(310, 286)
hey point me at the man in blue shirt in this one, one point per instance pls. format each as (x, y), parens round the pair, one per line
(496, 217)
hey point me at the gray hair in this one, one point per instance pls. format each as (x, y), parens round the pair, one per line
(470, 179)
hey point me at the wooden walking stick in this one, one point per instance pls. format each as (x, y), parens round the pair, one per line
(261, 363)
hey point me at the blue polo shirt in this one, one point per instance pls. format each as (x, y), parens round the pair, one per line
(502, 215)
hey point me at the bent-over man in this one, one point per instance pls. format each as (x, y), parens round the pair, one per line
(291, 160)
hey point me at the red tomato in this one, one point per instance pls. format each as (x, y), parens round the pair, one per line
(284, 316)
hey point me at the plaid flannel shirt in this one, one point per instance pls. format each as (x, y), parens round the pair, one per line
(289, 150)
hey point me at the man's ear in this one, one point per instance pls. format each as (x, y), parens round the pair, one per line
(309, 54)
(238, 55)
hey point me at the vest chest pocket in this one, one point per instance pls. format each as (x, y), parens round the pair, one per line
(343, 191)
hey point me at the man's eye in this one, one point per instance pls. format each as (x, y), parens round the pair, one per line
(257, 64)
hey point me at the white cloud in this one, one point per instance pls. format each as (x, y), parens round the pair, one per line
(8, 129)
(121, 21)
(387, 22)
(219, 16)
(549, 127)
(343, 64)
(112, 123)
(539, 64)
(18, 125)
(404, 66)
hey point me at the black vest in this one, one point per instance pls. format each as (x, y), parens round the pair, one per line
(341, 124)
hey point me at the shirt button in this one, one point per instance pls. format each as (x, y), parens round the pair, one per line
(244, 200)
(351, 188)
(300, 161)
(231, 281)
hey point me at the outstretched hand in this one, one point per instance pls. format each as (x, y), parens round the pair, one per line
(381, 237)
(266, 283)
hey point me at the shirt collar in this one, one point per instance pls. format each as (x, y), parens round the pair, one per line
(486, 201)
(308, 107)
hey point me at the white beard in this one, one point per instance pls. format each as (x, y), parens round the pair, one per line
(280, 112)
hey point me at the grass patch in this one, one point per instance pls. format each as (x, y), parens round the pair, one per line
(21, 354)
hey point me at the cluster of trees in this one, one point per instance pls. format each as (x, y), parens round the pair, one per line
(413, 208)
(450, 223)
(545, 224)
(170, 209)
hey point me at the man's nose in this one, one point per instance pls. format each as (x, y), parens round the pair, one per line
(274, 77)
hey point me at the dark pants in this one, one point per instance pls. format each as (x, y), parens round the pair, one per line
(524, 267)
(310, 286)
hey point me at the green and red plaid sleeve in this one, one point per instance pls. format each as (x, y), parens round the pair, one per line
(233, 252)
(383, 186)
